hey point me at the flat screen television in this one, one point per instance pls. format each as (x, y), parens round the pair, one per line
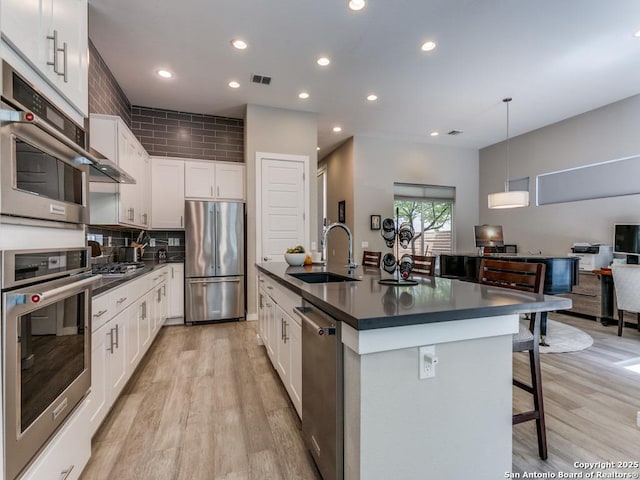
(489, 236)
(626, 238)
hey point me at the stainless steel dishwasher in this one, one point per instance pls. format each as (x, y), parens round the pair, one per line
(322, 392)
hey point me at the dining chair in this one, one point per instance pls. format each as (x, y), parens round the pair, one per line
(371, 259)
(626, 283)
(527, 277)
(424, 265)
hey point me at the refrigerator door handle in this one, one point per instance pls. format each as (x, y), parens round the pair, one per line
(214, 280)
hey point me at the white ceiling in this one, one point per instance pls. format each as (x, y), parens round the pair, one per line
(556, 58)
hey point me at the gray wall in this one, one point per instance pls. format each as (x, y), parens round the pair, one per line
(275, 130)
(340, 186)
(607, 133)
(379, 163)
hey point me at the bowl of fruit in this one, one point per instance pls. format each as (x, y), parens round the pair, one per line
(295, 256)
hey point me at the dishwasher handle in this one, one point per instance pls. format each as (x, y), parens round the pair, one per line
(300, 311)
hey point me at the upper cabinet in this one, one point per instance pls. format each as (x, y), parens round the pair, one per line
(51, 36)
(175, 179)
(213, 180)
(167, 193)
(121, 204)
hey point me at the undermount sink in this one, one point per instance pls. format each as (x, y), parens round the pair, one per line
(322, 277)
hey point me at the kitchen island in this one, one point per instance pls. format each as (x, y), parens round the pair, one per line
(456, 424)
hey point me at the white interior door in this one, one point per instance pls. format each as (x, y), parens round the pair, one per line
(283, 204)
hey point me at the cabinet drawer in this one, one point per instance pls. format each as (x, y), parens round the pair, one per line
(588, 284)
(69, 451)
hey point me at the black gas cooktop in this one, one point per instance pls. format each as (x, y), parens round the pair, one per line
(116, 269)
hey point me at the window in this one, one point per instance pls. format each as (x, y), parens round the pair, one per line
(429, 208)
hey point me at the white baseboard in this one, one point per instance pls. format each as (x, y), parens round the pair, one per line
(252, 316)
(174, 321)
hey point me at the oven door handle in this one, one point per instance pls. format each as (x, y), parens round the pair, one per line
(37, 297)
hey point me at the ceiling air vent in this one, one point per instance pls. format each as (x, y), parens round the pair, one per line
(261, 79)
(454, 132)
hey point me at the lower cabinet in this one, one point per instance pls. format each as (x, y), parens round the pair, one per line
(137, 309)
(69, 451)
(281, 334)
(586, 295)
(175, 287)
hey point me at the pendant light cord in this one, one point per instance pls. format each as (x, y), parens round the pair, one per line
(506, 185)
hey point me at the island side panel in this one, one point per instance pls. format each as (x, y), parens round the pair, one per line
(456, 425)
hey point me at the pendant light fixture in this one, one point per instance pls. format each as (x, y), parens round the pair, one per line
(508, 198)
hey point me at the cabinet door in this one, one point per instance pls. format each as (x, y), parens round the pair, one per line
(69, 20)
(167, 193)
(199, 180)
(25, 24)
(270, 323)
(283, 354)
(143, 190)
(115, 343)
(262, 316)
(294, 331)
(144, 322)
(127, 160)
(132, 345)
(176, 291)
(99, 405)
(229, 179)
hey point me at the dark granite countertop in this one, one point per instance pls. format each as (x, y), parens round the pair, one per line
(365, 304)
(107, 283)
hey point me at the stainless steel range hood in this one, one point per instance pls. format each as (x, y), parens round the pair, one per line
(101, 169)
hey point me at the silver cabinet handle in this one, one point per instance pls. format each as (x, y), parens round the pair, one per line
(54, 64)
(121, 300)
(211, 190)
(172, 272)
(117, 335)
(65, 473)
(269, 287)
(282, 329)
(64, 63)
(164, 290)
(110, 347)
(181, 221)
(266, 259)
(100, 313)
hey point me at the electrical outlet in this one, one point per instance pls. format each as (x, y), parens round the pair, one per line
(365, 244)
(152, 242)
(427, 362)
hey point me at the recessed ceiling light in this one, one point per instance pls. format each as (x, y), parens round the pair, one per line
(303, 95)
(372, 97)
(104, 168)
(428, 46)
(337, 129)
(239, 44)
(317, 148)
(323, 61)
(357, 4)
(434, 134)
(234, 84)
(637, 34)
(164, 73)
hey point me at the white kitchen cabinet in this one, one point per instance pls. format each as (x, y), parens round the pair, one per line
(120, 204)
(52, 37)
(124, 326)
(229, 181)
(294, 330)
(175, 286)
(167, 193)
(281, 333)
(68, 452)
(199, 179)
(214, 180)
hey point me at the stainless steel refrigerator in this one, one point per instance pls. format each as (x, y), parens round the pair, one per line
(214, 261)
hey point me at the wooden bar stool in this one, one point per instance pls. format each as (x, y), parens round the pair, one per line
(371, 259)
(527, 277)
(423, 265)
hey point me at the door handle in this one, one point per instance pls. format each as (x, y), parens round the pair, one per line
(266, 259)
(217, 280)
(64, 63)
(65, 473)
(54, 64)
(100, 313)
(117, 336)
(110, 347)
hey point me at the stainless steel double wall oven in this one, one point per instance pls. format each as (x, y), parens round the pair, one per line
(46, 346)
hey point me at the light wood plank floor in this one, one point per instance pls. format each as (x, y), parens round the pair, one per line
(206, 404)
